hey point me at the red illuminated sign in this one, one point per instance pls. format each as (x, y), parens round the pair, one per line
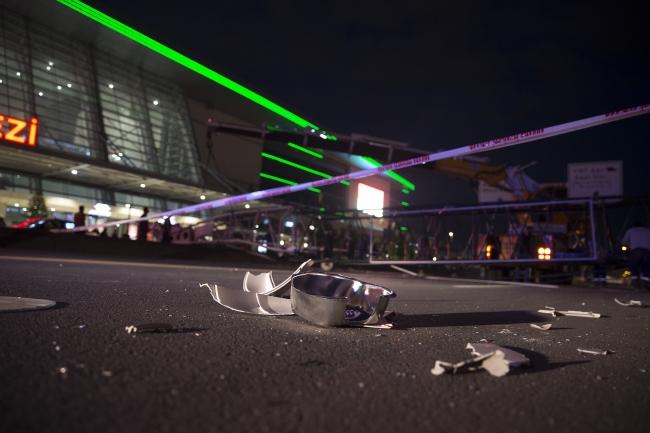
(18, 130)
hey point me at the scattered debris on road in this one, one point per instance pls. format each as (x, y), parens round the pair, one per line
(495, 359)
(149, 327)
(629, 304)
(553, 312)
(593, 351)
(321, 298)
(543, 327)
(512, 358)
(492, 362)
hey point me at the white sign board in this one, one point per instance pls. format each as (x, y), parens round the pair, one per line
(588, 178)
(491, 194)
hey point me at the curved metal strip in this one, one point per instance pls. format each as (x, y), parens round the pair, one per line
(264, 284)
(247, 302)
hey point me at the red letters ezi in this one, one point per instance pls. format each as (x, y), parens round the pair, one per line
(16, 127)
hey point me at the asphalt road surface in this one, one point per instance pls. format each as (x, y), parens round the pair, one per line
(225, 371)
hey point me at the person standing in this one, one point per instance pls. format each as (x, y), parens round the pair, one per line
(79, 220)
(143, 226)
(638, 240)
(524, 249)
(167, 231)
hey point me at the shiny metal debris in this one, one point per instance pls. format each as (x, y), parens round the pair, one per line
(321, 298)
(264, 284)
(336, 300)
(248, 302)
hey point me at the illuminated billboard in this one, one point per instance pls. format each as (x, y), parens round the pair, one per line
(370, 200)
(18, 131)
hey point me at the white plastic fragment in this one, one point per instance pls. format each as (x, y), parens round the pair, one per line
(495, 359)
(492, 362)
(629, 304)
(593, 351)
(512, 358)
(543, 327)
(149, 327)
(553, 312)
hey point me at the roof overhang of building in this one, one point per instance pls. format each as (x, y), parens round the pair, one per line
(56, 165)
(68, 21)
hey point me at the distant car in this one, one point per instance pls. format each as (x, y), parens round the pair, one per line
(44, 224)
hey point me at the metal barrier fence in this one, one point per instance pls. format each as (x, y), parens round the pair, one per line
(515, 233)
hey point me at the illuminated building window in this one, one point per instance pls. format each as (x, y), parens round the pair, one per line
(370, 200)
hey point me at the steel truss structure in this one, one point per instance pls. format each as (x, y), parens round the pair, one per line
(563, 231)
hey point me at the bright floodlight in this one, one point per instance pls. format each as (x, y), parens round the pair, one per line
(370, 200)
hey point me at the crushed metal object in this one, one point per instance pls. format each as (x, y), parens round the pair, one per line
(593, 351)
(321, 298)
(11, 303)
(149, 327)
(543, 327)
(495, 359)
(553, 312)
(337, 300)
(629, 304)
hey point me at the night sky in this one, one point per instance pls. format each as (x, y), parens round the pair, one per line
(434, 76)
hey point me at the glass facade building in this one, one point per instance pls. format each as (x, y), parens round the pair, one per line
(92, 104)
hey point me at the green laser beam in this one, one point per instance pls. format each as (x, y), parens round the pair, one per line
(301, 167)
(285, 181)
(390, 173)
(175, 56)
(304, 149)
